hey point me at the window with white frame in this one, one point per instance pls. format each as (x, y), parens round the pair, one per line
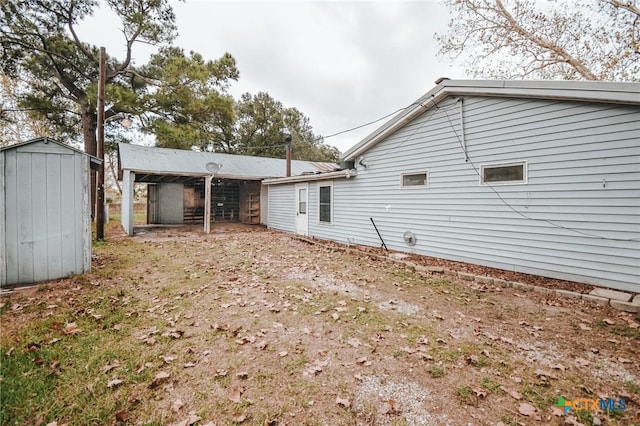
(325, 204)
(507, 173)
(414, 180)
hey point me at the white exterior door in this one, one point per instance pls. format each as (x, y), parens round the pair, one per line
(302, 207)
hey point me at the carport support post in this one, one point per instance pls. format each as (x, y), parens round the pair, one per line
(207, 204)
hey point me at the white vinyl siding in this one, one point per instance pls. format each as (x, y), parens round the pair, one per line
(282, 207)
(577, 217)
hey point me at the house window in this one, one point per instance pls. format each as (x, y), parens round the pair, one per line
(412, 180)
(504, 173)
(325, 213)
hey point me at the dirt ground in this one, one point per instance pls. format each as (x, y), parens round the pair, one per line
(249, 326)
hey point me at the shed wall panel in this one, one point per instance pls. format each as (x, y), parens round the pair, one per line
(25, 219)
(170, 203)
(53, 205)
(577, 217)
(39, 227)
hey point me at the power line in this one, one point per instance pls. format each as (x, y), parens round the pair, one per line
(366, 124)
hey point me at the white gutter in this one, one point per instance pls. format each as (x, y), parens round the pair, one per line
(346, 174)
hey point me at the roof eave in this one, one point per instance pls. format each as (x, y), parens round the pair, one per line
(346, 174)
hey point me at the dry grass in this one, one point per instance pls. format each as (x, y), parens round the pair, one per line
(259, 328)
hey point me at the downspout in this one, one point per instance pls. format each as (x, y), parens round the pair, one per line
(463, 139)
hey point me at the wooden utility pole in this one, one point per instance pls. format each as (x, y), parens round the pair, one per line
(100, 150)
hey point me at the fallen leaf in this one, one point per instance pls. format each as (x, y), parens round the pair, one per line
(354, 342)
(114, 364)
(159, 378)
(514, 394)
(177, 405)
(235, 394)
(167, 359)
(239, 419)
(193, 418)
(526, 409)
(407, 349)
(122, 416)
(344, 402)
(582, 362)
(389, 407)
(480, 393)
(71, 329)
(113, 383)
(544, 374)
(472, 359)
(261, 344)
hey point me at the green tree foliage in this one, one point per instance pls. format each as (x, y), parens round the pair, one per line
(190, 107)
(39, 39)
(17, 125)
(573, 40)
(263, 123)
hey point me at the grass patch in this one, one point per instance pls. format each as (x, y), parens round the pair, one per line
(491, 385)
(436, 371)
(466, 395)
(632, 387)
(584, 417)
(536, 395)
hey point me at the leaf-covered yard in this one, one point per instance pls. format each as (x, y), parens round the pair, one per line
(261, 328)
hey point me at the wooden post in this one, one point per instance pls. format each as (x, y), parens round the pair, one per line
(207, 204)
(100, 148)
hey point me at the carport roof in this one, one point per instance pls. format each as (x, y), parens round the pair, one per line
(151, 164)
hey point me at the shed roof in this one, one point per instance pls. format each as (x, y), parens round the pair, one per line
(585, 91)
(93, 161)
(151, 163)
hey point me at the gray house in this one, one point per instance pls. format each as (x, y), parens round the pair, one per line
(539, 177)
(200, 187)
(45, 223)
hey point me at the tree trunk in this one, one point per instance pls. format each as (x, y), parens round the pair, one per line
(89, 126)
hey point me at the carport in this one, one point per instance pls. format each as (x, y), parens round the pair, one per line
(200, 187)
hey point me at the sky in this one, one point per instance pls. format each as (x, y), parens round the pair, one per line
(342, 64)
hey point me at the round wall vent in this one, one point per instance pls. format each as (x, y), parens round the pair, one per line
(409, 238)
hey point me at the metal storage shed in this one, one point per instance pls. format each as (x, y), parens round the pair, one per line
(45, 224)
